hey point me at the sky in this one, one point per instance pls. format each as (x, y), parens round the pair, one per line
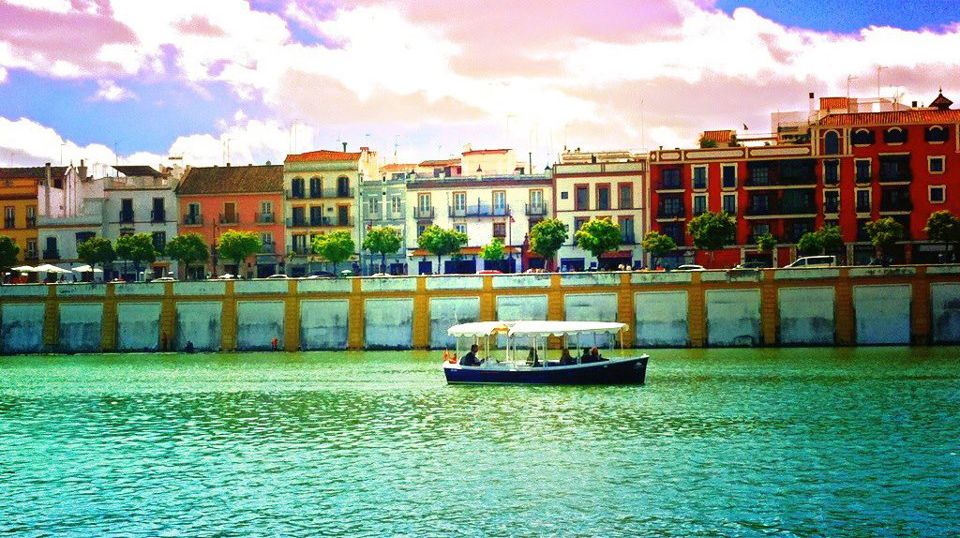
(249, 81)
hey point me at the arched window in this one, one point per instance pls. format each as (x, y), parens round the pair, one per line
(862, 137)
(937, 133)
(296, 187)
(895, 135)
(831, 143)
(343, 187)
(316, 187)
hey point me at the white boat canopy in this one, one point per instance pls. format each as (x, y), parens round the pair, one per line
(535, 328)
(47, 268)
(86, 269)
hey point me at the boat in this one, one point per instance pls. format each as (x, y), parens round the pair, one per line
(527, 359)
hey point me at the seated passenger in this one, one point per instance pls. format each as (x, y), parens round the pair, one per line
(532, 357)
(470, 359)
(595, 355)
(565, 358)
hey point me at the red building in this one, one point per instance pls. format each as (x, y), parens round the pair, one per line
(841, 166)
(249, 198)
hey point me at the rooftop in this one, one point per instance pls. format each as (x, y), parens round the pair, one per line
(232, 179)
(914, 115)
(322, 155)
(32, 172)
(138, 171)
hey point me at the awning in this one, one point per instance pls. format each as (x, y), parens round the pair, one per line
(480, 328)
(86, 269)
(562, 328)
(47, 268)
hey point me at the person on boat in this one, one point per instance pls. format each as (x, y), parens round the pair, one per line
(566, 358)
(470, 358)
(532, 358)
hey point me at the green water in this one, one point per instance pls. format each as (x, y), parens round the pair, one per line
(719, 442)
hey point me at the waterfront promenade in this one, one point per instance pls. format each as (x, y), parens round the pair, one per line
(743, 308)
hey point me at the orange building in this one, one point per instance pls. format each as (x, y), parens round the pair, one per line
(249, 198)
(19, 189)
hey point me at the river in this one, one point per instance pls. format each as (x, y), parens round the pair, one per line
(718, 442)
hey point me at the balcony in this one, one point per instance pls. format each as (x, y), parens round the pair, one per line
(229, 219)
(300, 250)
(316, 194)
(671, 212)
(297, 222)
(9, 223)
(296, 194)
(538, 210)
(158, 215)
(895, 205)
(344, 193)
(478, 210)
(799, 209)
(264, 218)
(423, 213)
(268, 248)
(126, 217)
(51, 254)
(760, 210)
(193, 219)
(670, 184)
(895, 176)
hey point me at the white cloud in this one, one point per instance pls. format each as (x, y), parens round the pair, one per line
(110, 91)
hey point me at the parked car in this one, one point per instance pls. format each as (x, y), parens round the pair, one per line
(490, 272)
(815, 261)
(278, 276)
(752, 265)
(164, 279)
(321, 274)
(690, 267)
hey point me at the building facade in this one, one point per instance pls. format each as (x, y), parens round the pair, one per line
(321, 194)
(840, 167)
(70, 224)
(213, 200)
(384, 203)
(23, 202)
(601, 185)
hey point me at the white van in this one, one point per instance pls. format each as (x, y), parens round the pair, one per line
(815, 261)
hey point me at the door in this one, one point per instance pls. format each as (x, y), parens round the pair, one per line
(343, 187)
(499, 202)
(229, 212)
(459, 203)
(343, 215)
(536, 202)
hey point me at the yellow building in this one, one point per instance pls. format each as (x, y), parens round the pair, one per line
(19, 188)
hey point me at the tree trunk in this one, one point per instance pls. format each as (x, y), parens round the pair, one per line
(439, 266)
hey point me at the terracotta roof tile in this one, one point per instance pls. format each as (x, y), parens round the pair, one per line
(322, 155)
(720, 137)
(397, 167)
(232, 179)
(897, 117)
(33, 172)
(440, 162)
(485, 151)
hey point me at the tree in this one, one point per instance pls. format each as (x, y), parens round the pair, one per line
(8, 254)
(96, 250)
(658, 245)
(809, 244)
(440, 242)
(188, 249)
(493, 251)
(706, 144)
(884, 233)
(830, 238)
(766, 243)
(238, 246)
(598, 236)
(546, 238)
(944, 227)
(712, 231)
(382, 240)
(137, 248)
(334, 247)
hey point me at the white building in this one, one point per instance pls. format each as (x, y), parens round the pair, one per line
(70, 212)
(610, 184)
(493, 203)
(139, 199)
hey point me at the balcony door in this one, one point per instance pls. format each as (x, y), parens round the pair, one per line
(499, 202)
(229, 212)
(536, 202)
(459, 203)
(343, 215)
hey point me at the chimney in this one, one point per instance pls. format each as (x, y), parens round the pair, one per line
(344, 147)
(913, 104)
(529, 162)
(83, 170)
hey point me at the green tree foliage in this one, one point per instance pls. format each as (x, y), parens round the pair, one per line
(766, 242)
(707, 144)
(382, 240)
(8, 253)
(238, 246)
(810, 244)
(944, 227)
(546, 238)
(598, 236)
(830, 238)
(493, 251)
(96, 251)
(884, 233)
(712, 231)
(334, 247)
(658, 245)
(137, 248)
(188, 249)
(440, 242)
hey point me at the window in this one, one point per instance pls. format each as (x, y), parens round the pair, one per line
(895, 168)
(460, 203)
(862, 170)
(159, 241)
(300, 244)
(671, 206)
(603, 197)
(729, 176)
(938, 194)
(31, 248)
(862, 137)
(500, 229)
(316, 188)
(577, 223)
(296, 187)
(229, 213)
(626, 230)
(316, 215)
(499, 202)
(730, 203)
(863, 201)
(126, 210)
(423, 201)
(759, 229)
(796, 230)
(299, 216)
(670, 179)
(267, 238)
(266, 208)
(699, 204)
(625, 196)
(831, 172)
(582, 198)
(935, 165)
(159, 212)
(831, 143)
(699, 177)
(82, 237)
(460, 227)
(936, 134)
(759, 174)
(31, 217)
(831, 201)
(343, 187)
(759, 204)
(395, 204)
(674, 230)
(420, 229)
(895, 135)
(564, 195)
(9, 216)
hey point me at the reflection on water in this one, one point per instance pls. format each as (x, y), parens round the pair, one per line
(729, 442)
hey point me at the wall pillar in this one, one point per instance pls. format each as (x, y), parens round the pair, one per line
(844, 309)
(291, 318)
(168, 317)
(421, 315)
(625, 308)
(51, 320)
(108, 328)
(920, 309)
(356, 322)
(769, 309)
(228, 321)
(555, 308)
(488, 309)
(696, 311)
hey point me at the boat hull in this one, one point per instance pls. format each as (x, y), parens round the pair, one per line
(631, 371)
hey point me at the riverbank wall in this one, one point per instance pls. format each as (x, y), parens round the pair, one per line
(777, 307)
